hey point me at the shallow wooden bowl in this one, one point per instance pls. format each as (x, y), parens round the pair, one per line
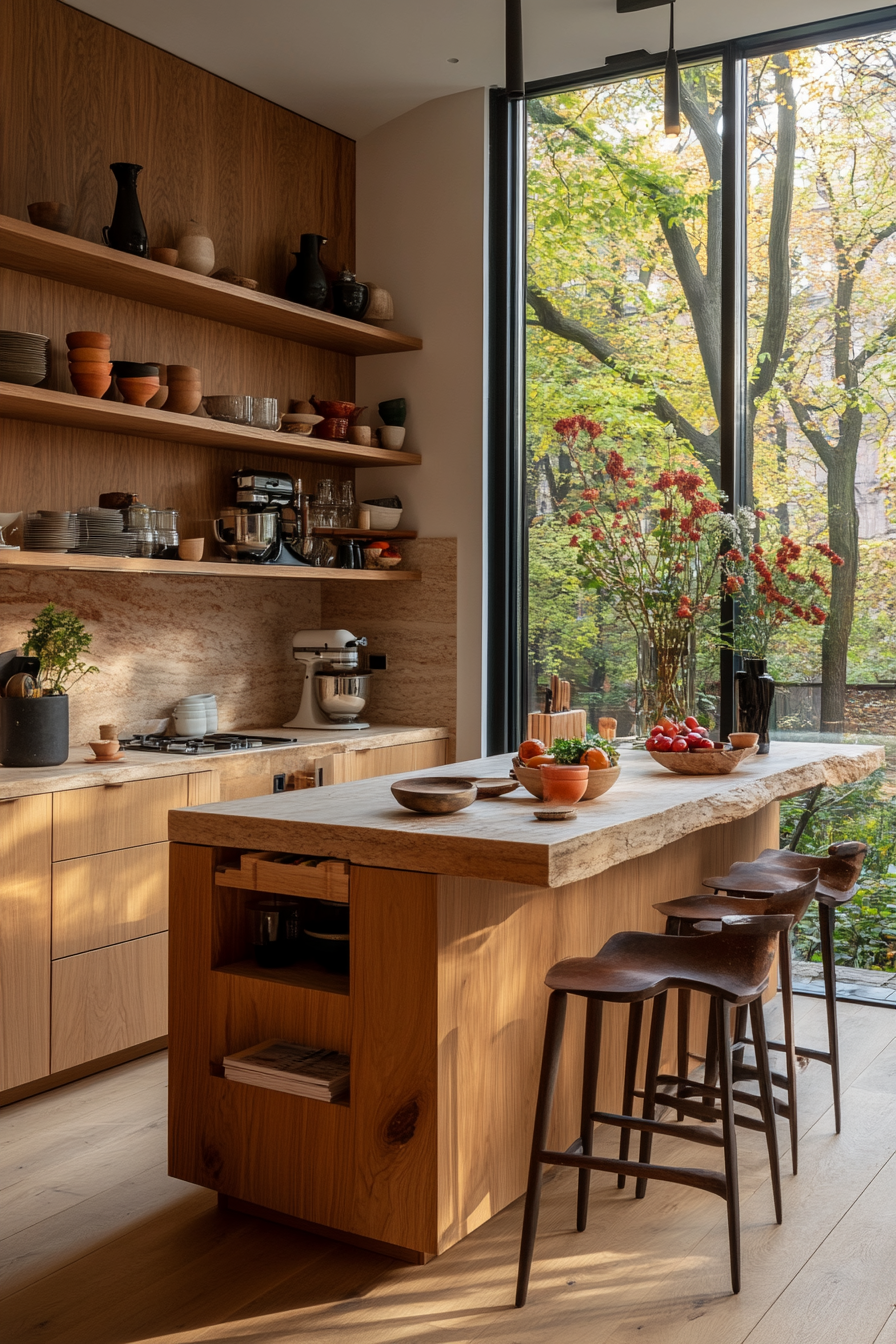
(434, 795)
(55, 215)
(599, 781)
(702, 762)
(495, 787)
(94, 340)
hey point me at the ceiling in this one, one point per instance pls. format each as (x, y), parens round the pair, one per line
(354, 64)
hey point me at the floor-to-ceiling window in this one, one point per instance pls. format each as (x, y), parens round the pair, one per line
(625, 329)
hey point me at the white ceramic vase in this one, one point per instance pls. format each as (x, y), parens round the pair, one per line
(195, 250)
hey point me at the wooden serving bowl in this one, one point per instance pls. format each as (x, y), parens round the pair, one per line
(599, 781)
(434, 795)
(91, 384)
(702, 762)
(94, 340)
(55, 215)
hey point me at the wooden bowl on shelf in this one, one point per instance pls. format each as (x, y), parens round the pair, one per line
(702, 762)
(95, 340)
(87, 354)
(55, 215)
(599, 781)
(92, 384)
(137, 391)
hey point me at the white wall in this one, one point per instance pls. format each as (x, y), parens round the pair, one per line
(420, 233)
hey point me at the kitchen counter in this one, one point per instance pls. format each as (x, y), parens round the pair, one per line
(310, 746)
(647, 808)
(454, 922)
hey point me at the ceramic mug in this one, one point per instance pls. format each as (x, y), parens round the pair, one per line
(360, 434)
(391, 436)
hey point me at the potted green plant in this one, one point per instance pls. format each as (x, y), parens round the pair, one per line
(34, 730)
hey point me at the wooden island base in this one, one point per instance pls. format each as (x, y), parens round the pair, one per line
(443, 1017)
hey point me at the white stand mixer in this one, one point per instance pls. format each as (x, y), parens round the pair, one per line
(334, 693)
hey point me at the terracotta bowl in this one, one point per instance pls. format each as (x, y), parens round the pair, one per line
(94, 340)
(91, 384)
(739, 740)
(89, 370)
(599, 781)
(107, 747)
(702, 762)
(167, 256)
(137, 391)
(53, 215)
(87, 354)
(183, 398)
(158, 399)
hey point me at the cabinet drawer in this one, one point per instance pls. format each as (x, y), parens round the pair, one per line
(109, 898)
(108, 1000)
(115, 816)
(368, 762)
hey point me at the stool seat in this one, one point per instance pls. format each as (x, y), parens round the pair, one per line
(636, 966)
(714, 907)
(774, 869)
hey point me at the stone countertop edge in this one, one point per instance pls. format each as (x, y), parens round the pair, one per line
(540, 854)
(138, 765)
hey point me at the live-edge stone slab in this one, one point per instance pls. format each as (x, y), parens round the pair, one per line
(499, 839)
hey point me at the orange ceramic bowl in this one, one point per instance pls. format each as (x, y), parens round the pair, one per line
(90, 384)
(564, 783)
(93, 340)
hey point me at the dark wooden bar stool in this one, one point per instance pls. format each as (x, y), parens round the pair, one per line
(839, 872)
(794, 894)
(732, 966)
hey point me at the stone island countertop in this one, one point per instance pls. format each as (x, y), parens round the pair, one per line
(649, 807)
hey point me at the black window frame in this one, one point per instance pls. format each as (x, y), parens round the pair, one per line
(506, 582)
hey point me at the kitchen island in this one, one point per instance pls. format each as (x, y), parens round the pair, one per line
(454, 921)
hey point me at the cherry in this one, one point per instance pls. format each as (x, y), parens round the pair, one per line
(694, 737)
(662, 744)
(703, 745)
(679, 744)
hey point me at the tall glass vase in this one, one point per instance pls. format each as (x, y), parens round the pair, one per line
(755, 697)
(667, 684)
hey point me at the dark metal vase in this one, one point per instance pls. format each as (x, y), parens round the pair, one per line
(755, 697)
(127, 232)
(306, 282)
(33, 733)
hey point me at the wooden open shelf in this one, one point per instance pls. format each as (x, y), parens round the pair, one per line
(302, 975)
(55, 256)
(47, 407)
(363, 532)
(114, 564)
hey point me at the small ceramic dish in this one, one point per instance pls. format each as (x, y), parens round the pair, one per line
(387, 561)
(434, 795)
(702, 762)
(300, 418)
(495, 788)
(555, 813)
(740, 740)
(599, 781)
(103, 760)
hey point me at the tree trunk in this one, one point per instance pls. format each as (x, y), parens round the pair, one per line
(843, 530)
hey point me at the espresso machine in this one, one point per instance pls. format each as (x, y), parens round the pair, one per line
(334, 691)
(268, 523)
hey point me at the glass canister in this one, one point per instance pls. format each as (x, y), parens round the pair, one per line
(346, 504)
(275, 930)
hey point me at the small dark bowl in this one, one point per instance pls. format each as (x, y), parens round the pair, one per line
(123, 368)
(393, 412)
(55, 215)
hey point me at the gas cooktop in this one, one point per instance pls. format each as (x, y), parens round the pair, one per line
(203, 746)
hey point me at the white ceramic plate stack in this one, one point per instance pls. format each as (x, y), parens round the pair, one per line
(196, 715)
(51, 531)
(101, 532)
(23, 357)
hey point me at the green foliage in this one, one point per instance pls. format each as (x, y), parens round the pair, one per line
(58, 638)
(569, 750)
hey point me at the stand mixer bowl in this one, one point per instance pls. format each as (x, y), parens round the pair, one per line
(342, 696)
(248, 536)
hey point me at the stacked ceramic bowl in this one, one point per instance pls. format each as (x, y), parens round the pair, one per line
(101, 532)
(89, 362)
(51, 530)
(23, 357)
(184, 388)
(196, 715)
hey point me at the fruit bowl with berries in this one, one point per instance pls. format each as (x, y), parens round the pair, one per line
(687, 749)
(600, 756)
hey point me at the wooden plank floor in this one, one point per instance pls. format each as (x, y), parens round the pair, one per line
(99, 1246)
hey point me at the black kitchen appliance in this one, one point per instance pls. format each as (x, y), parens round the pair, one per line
(268, 523)
(203, 746)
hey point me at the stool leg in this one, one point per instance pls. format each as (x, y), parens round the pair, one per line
(550, 1061)
(654, 1051)
(826, 929)
(723, 1035)
(786, 966)
(740, 1034)
(757, 1019)
(593, 1023)
(633, 1045)
(684, 1040)
(711, 1065)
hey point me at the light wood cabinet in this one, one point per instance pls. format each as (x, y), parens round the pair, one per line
(347, 767)
(108, 1000)
(24, 939)
(109, 898)
(115, 816)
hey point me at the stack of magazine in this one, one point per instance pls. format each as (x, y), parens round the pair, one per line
(285, 1066)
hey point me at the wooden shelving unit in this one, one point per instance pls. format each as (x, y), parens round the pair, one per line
(302, 975)
(394, 535)
(112, 564)
(55, 256)
(47, 407)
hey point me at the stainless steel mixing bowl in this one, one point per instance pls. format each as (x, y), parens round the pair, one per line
(242, 534)
(342, 697)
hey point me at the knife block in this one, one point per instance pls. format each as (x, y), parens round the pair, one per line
(548, 727)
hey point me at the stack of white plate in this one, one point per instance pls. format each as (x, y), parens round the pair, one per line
(23, 357)
(51, 530)
(101, 532)
(196, 715)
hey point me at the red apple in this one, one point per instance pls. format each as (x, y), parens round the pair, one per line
(679, 744)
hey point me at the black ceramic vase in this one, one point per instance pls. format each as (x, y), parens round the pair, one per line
(33, 732)
(755, 697)
(306, 282)
(127, 232)
(350, 297)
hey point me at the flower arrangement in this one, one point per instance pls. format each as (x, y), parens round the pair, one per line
(774, 580)
(650, 541)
